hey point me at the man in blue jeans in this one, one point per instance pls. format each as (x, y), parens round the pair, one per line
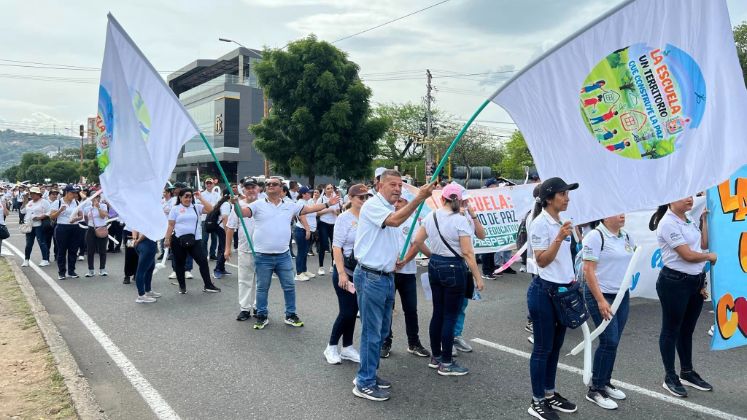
(146, 251)
(272, 222)
(377, 246)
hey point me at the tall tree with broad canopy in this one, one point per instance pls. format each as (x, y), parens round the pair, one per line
(320, 122)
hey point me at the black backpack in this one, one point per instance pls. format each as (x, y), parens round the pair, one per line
(212, 221)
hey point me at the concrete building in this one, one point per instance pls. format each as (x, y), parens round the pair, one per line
(224, 99)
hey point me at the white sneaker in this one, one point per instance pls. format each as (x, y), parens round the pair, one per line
(301, 277)
(44, 263)
(614, 393)
(25, 263)
(275, 276)
(80, 258)
(320, 271)
(172, 275)
(332, 354)
(188, 275)
(145, 299)
(530, 339)
(523, 268)
(103, 273)
(710, 331)
(350, 353)
(309, 274)
(154, 295)
(599, 398)
(89, 273)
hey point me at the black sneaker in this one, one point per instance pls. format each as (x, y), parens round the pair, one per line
(529, 327)
(509, 270)
(418, 350)
(373, 393)
(72, 275)
(293, 320)
(434, 363)
(386, 349)
(211, 289)
(61, 277)
(541, 410)
(694, 380)
(261, 322)
(674, 386)
(182, 291)
(557, 402)
(244, 315)
(126, 280)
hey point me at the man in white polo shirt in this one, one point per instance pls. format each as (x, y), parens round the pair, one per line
(272, 221)
(377, 246)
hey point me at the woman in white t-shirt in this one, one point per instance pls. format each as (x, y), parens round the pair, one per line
(36, 212)
(550, 239)
(452, 258)
(346, 227)
(607, 251)
(326, 227)
(96, 214)
(681, 290)
(183, 236)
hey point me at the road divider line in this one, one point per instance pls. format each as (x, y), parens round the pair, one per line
(634, 388)
(157, 404)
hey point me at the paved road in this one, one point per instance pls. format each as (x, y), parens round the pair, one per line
(204, 364)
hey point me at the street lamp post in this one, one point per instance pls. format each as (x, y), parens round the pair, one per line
(266, 108)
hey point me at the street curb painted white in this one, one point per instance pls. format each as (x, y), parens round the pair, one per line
(157, 404)
(84, 402)
(624, 385)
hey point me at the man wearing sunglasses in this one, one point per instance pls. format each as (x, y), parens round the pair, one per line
(272, 220)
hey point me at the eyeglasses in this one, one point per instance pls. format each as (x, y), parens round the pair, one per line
(272, 184)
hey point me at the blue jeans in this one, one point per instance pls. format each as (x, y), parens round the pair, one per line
(375, 301)
(604, 356)
(264, 265)
(146, 254)
(344, 325)
(447, 277)
(37, 233)
(303, 249)
(548, 337)
(459, 326)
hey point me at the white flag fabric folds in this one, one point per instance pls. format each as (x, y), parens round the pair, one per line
(140, 128)
(643, 107)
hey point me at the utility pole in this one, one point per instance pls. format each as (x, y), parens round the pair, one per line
(81, 153)
(266, 107)
(428, 124)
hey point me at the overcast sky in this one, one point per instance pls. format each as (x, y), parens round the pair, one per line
(492, 38)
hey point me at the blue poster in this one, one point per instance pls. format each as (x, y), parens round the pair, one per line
(727, 237)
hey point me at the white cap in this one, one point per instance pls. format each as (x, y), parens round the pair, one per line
(378, 172)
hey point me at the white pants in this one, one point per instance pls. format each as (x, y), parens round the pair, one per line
(247, 281)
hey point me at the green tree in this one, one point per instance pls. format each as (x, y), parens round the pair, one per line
(405, 133)
(11, 174)
(320, 122)
(740, 37)
(35, 173)
(33, 158)
(62, 171)
(516, 157)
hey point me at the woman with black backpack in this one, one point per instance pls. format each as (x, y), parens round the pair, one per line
(183, 236)
(216, 222)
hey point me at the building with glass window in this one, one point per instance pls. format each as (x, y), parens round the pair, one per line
(224, 99)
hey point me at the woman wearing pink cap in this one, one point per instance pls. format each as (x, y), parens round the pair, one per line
(452, 263)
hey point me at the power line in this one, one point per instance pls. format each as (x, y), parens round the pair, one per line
(391, 21)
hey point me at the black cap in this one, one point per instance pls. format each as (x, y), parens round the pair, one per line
(249, 182)
(554, 185)
(71, 188)
(180, 185)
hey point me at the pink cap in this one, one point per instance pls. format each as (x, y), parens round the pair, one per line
(452, 189)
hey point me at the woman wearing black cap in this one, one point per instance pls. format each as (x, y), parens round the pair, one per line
(551, 243)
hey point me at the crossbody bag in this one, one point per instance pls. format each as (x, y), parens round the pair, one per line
(469, 289)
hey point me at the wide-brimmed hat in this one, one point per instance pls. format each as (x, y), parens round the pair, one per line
(35, 190)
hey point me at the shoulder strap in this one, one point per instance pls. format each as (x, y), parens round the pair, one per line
(438, 229)
(601, 235)
(197, 218)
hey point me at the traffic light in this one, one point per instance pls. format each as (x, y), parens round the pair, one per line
(82, 132)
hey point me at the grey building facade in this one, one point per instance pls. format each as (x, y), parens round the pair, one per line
(224, 99)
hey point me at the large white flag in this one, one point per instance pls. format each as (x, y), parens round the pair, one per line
(140, 128)
(644, 107)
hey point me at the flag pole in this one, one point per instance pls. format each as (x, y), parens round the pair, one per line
(236, 206)
(440, 166)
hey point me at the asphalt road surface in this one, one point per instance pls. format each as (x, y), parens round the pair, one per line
(186, 356)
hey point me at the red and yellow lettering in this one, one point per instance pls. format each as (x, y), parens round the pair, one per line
(657, 56)
(727, 326)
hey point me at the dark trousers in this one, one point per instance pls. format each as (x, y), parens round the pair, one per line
(606, 353)
(488, 263)
(344, 325)
(115, 230)
(21, 218)
(549, 335)
(146, 251)
(48, 233)
(447, 277)
(131, 256)
(180, 261)
(326, 233)
(66, 237)
(82, 248)
(406, 285)
(681, 303)
(220, 265)
(302, 244)
(95, 245)
(36, 234)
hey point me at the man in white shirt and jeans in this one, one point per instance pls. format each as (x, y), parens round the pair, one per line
(377, 246)
(272, 222)
(247, 278)
(212, 198)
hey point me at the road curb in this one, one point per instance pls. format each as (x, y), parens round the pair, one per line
(84, 402)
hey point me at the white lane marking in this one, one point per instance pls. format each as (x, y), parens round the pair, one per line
(5, 251)
(232, 265)
(640, 390)
(160, 407)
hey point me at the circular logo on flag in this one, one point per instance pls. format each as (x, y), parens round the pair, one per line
(643, 102)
